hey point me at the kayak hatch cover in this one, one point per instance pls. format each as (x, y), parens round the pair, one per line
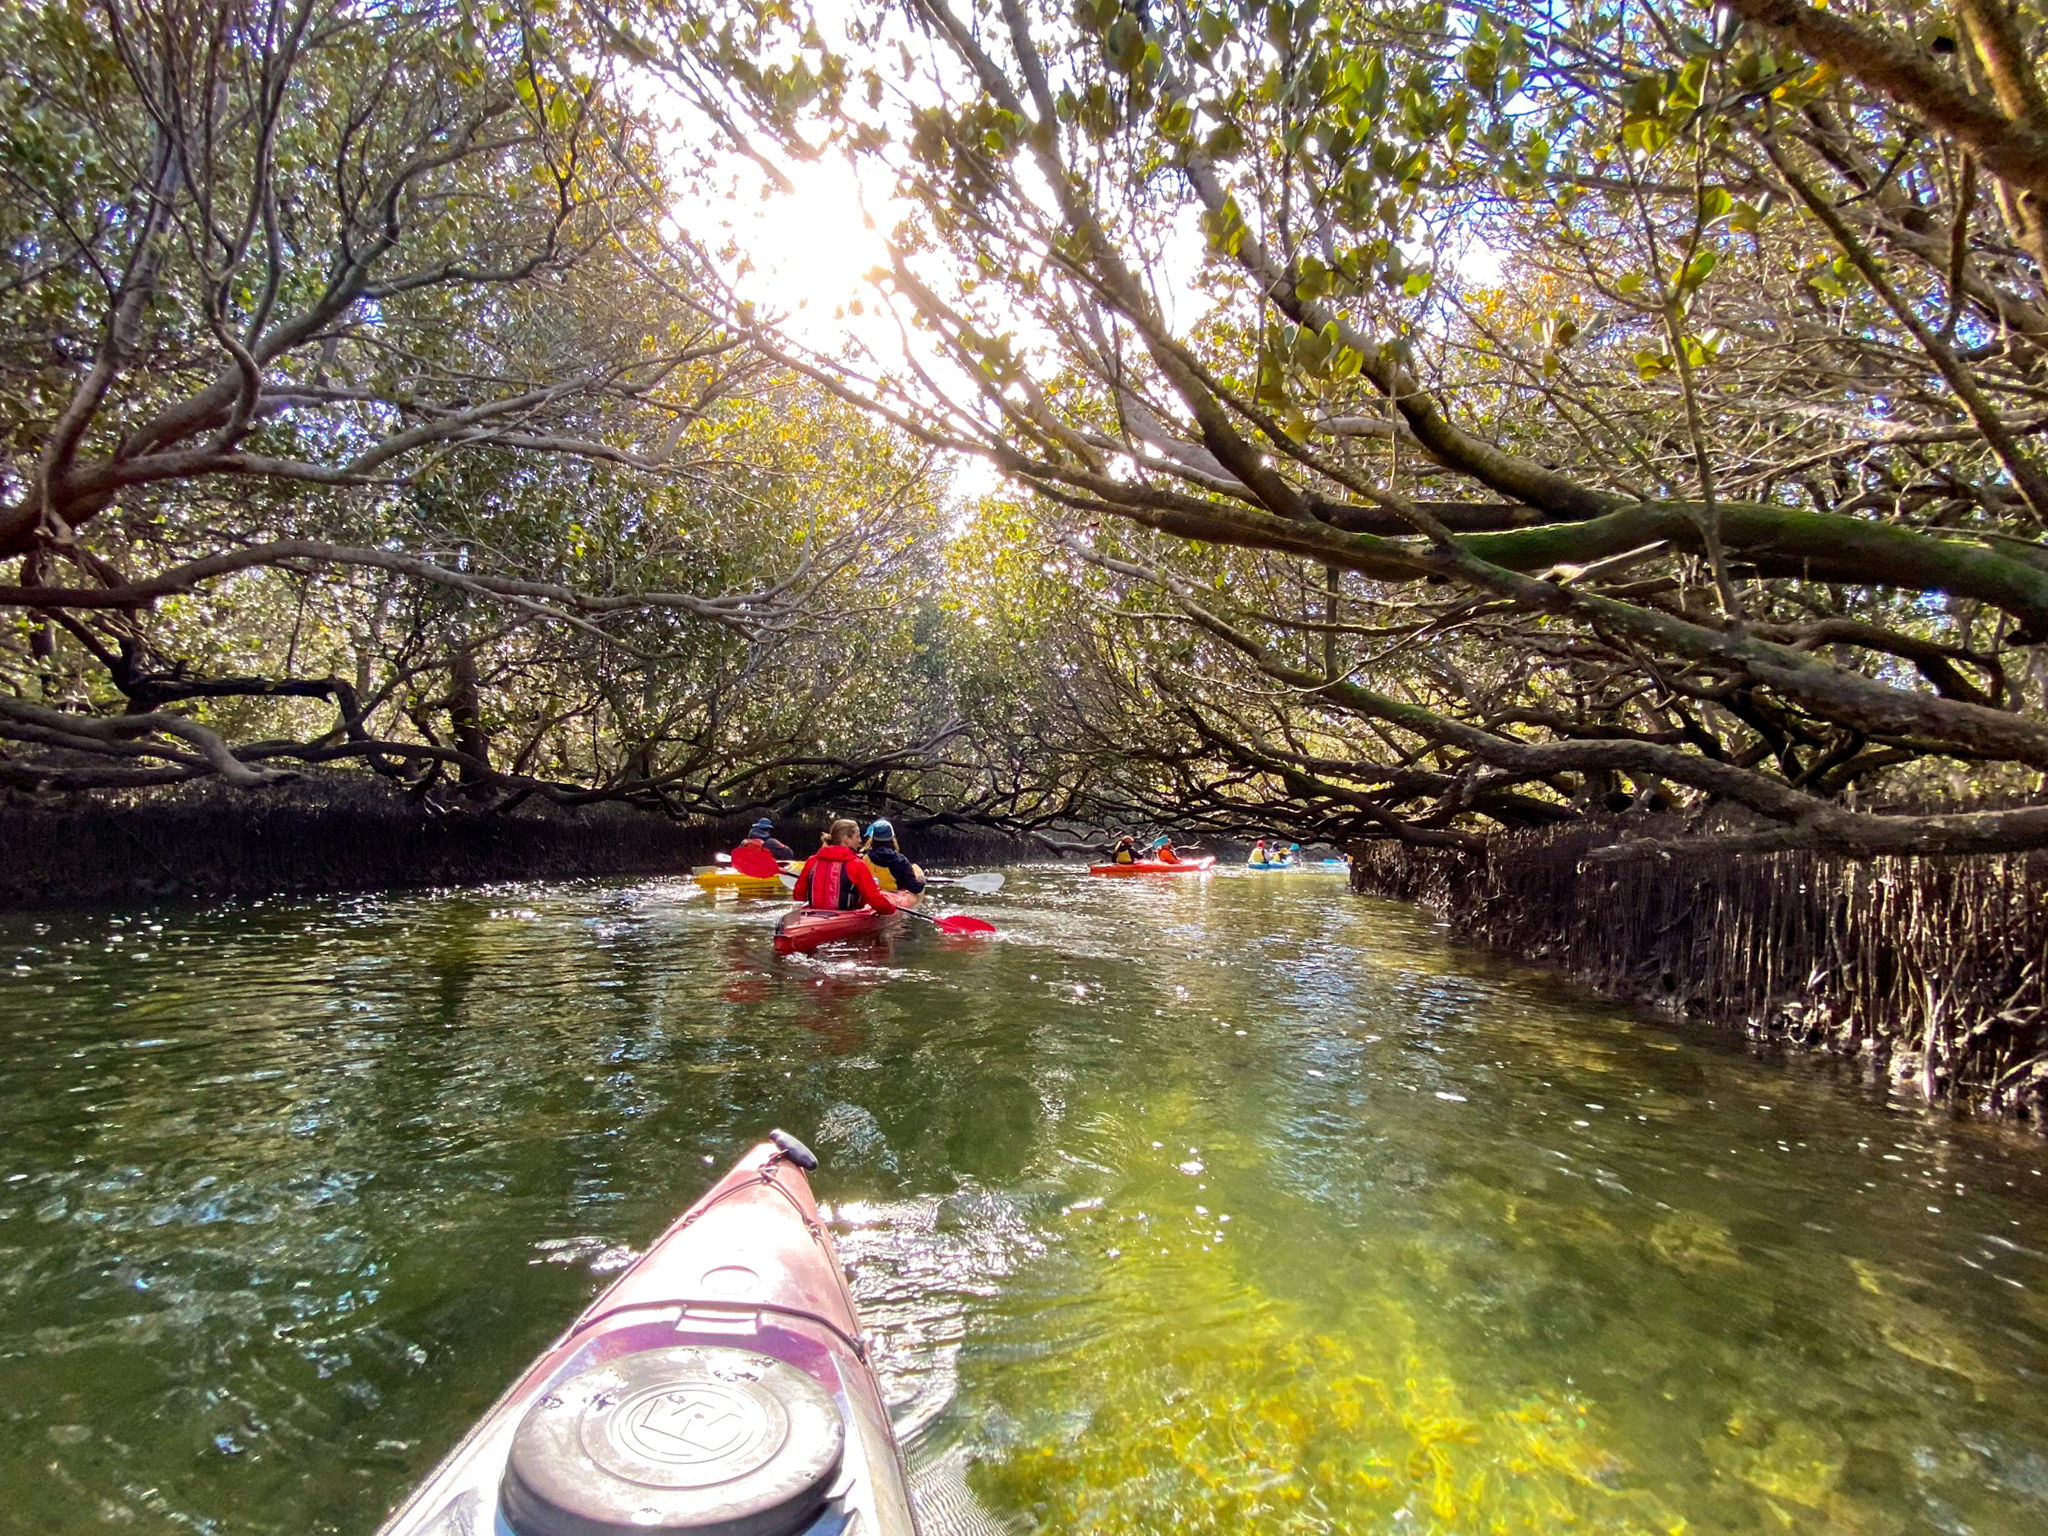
(719, 1388)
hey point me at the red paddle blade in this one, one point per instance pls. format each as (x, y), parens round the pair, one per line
(961, 923)
(757, 862)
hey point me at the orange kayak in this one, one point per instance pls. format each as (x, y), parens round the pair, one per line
(804, 929)
(721, 1385)
(1156, 867)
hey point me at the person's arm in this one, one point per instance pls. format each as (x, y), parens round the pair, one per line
(864, 882)
(916, 880)
(802, 892)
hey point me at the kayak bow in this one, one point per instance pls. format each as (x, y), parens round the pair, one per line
(719, 1388)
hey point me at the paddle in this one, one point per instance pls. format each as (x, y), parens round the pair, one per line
(757, 863)
(980, 885)
(960, 923)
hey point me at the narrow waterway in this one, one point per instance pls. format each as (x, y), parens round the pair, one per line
(1232, 1204)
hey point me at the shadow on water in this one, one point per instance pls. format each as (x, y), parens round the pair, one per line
(1220, 1204)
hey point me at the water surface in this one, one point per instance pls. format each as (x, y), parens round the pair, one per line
(1222, 1204)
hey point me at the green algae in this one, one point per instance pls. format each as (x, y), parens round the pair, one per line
(1692, 1241)
(1274, 1421)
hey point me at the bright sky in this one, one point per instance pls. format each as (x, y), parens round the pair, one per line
(811, 251)
(807, 256)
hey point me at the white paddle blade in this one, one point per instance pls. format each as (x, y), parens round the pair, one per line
(981, 885)
(722, 858)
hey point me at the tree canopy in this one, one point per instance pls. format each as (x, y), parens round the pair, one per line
(1410, 421)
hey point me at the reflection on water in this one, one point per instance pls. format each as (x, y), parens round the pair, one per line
(1230, 1204)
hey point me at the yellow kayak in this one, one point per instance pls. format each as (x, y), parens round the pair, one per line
(726, 882)
(720, 880)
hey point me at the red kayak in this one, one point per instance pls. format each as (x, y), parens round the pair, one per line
(1156, 867)
(804, 929)
(719, 1388)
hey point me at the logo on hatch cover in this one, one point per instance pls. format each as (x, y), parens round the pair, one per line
(692, 1424)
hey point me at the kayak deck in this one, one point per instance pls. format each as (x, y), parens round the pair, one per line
(803, 930)
(719, 1388)
(727, 882)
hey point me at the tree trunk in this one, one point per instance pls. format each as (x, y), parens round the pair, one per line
(466, 721)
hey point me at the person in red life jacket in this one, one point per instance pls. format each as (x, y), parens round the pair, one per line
(837, 879)
(762, 835)
(1163, 852)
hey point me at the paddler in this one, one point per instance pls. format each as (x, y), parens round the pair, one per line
(836, 878)
(1163, 851)
(762, 835)
(1125, 851)
(882, 852)
(1258, 858)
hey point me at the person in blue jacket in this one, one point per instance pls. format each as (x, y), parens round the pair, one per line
(882, 852)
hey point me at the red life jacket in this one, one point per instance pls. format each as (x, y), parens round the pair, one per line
(830, 881)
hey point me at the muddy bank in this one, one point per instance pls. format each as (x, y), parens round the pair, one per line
(346, 836)
(1932, 970)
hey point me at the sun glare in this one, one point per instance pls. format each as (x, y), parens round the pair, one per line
(805, 255)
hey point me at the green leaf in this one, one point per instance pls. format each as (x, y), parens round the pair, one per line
(1692, 81)
(1224, 227)
(1482, 69)
(1225, 141)
(1373, 89)
(1646, 135)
